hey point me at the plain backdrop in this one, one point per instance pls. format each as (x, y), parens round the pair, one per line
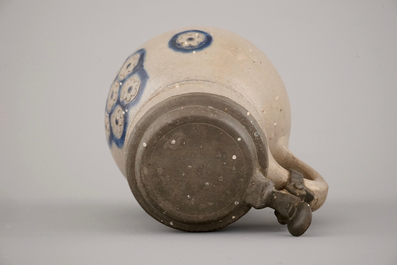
(64, 201)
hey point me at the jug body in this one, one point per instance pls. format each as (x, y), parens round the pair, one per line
(197, 120)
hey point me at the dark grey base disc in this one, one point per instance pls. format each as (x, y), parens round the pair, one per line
(190, 160)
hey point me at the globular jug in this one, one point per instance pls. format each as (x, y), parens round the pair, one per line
(198, 121)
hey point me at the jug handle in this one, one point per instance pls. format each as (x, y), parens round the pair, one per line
(312, 180)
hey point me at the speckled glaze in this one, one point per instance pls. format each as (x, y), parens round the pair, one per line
(207, 60)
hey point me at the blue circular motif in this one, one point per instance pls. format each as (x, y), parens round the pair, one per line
(116, 117)
(190, 41)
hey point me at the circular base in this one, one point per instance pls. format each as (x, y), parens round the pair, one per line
(190, 160)
(194, 171)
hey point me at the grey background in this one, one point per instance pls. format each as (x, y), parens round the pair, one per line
(64, 201)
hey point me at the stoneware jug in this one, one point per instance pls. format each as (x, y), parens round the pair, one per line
(198, 121)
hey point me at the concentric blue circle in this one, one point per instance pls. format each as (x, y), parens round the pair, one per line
(188, 42)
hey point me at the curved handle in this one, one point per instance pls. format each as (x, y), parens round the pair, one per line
(312, 179)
